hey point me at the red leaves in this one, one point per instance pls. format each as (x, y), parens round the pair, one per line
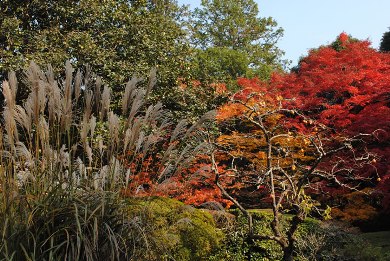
(345, 86)
(343, 37)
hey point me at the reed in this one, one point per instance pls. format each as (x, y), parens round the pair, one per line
(63, 153)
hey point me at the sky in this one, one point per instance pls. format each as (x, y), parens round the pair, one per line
(310, 23)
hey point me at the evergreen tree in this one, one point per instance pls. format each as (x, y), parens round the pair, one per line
(385, 42)
(226, 29)
(117, 38)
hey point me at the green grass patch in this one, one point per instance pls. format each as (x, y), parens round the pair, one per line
(379, 239)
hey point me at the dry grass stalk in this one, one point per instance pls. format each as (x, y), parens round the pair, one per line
(60, 136)
(105, 102)
(129, 93)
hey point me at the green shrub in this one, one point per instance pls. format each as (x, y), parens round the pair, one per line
(177, 231)
(236, 245)
(336, 241)
(316, 240)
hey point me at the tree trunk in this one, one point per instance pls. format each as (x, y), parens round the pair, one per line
(288, 253)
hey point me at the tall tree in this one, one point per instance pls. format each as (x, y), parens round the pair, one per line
(385, 42)
(267, 149)
(346, 86)
(233, 29)
(117, 38)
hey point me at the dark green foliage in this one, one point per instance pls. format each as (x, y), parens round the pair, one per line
(315, 241)
(333, 241)
(232, 31)
(117, 38)
(380, 239)
(385, 42)
(220, 64)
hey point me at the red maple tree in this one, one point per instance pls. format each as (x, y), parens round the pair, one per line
(346, 86)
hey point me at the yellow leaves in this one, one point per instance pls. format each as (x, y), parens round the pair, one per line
(327, 213)
(293, 167)
(274, 120)
(241, 142)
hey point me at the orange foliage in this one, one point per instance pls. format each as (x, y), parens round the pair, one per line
(356, 208)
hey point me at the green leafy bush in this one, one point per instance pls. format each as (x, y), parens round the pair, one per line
(316, 240)
(177, 231)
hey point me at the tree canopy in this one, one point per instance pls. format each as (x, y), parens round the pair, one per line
(117, 38)
(233, 30)
(385, 42)
(346, 87)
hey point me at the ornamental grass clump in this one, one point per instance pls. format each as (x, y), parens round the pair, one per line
(64, 157)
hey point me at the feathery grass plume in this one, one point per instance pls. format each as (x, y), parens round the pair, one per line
(141, 140)
(88, 103)
(98, 93)
(116, 172)
(66, 119)
(184, 153)
(75, 161)
(77, 85)
(166, 173)
(154, 137)
(68, 81)
(81, 168)
(129, 92)
(64, 157)
(208, 116)
(113, 127)
(92, 124)
(137, 103)
(54, 96)
(9, 95)
(88, 151)
(154, 113)
(101, 146)
(152, 81)
(100, 177)
(200, 149)
(128, 135)
(23, 119)
(85, 127)
(169, 153)
(13, 83)
(50, 77)
(179, 129)
(9, 115)
(43, 130)
(37, 99)
(105, 102)
(24, 154)
(50, 160)
(135, 132)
